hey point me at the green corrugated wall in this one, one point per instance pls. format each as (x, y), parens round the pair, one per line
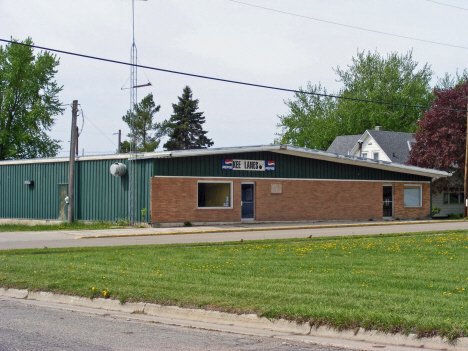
(98, 194)
(101, 196)
(287, 166)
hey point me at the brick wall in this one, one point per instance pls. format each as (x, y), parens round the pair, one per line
(400, 211)
(175, 200)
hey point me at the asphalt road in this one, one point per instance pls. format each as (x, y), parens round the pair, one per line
(22, 240)
(28, 325)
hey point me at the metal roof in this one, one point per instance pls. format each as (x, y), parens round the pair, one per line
(282, 149)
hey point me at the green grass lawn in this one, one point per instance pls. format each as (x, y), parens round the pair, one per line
(409, 283)
(60, 226)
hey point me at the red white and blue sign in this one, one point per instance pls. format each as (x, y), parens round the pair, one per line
(248, 165)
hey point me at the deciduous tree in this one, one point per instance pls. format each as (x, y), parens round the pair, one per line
(315, 121)
(441, 136)
(28, 102)
(186, 125)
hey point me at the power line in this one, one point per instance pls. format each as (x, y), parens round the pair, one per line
(441, 3)
(97, 127)
(350, 26)
(232, 81)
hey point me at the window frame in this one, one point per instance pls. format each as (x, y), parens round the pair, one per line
(447, 196)
(376, 153)
(231, 199)
(413, 186)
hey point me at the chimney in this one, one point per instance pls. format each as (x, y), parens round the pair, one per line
(378, 128)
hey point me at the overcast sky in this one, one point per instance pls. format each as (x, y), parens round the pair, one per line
(223, 39)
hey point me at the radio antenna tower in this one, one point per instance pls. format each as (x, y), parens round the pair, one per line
(133, 144)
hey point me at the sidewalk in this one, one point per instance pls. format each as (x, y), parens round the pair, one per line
(242, 227)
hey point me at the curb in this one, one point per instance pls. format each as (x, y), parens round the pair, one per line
(243, 320)
(266, 228)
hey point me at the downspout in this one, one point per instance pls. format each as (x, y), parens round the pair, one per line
(431, 197)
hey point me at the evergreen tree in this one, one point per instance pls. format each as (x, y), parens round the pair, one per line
(185, 125)
(141, 126)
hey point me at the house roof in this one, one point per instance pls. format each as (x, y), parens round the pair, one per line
(394, 144)
(282, 149)
(343, 144)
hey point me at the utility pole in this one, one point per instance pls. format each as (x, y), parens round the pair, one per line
(71, 164)
(466, 167)
(120, 141)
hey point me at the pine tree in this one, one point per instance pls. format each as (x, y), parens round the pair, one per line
(186, 125)
(141, 126)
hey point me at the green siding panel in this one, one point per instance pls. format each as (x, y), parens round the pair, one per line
(98, 194)
(286, 167)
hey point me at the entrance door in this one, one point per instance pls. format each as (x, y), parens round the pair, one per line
(63, 189)
(388, 201)
(247, 201)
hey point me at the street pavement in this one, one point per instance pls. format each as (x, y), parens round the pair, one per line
(39, 325)
(214, 233)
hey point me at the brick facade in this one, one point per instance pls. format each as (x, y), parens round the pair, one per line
(175, 199)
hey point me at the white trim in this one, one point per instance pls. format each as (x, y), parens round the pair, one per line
(420, 195)
(273, 179)
(409, 144)
(231, 201)
(362, 138)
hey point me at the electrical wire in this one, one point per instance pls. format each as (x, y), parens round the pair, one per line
(97, 128)
(350, 26)
(82, 122)
(232, 81)
(441, 3)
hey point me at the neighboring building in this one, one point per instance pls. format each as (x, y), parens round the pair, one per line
(376, 144)
(258, 183)
(392, 147)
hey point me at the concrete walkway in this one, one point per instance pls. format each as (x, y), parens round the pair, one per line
(246, 227)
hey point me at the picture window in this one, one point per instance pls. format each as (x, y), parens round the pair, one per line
(214, 194)
(412, 196)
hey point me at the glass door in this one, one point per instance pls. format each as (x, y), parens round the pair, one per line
(247, 201)
(388, 201)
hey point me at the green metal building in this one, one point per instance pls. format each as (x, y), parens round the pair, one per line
(36, 189)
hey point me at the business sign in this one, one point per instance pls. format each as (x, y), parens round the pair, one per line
(248, 165)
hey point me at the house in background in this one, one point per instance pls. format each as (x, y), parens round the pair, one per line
(392, 147)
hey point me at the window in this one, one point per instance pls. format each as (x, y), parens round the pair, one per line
(214, 194)
(453, 198)
(364, 155)
(412, 196)
(376, 156)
